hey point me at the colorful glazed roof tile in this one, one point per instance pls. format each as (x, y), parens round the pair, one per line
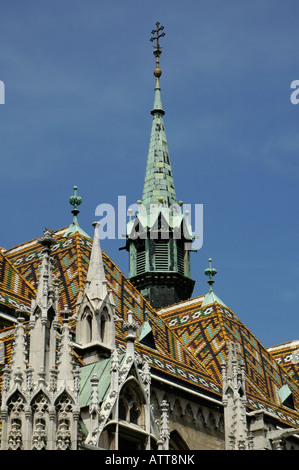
(15, 289)
(287, 355)
(71, 257)
(206, 332)
(189, 339)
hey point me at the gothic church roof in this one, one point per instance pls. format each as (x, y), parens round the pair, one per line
(190, 339)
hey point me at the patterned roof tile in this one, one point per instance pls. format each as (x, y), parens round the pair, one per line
(191, 339)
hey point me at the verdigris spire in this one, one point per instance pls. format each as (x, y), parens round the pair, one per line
(158, 181)
(211, 297)
(159, 239)
(75, 201)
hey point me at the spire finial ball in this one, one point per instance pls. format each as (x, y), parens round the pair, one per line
(157, 72)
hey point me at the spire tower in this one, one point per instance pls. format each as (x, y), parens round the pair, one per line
(159, 239)
(158, 181)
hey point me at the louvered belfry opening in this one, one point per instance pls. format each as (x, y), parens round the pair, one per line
(161, 255)
(140, 258)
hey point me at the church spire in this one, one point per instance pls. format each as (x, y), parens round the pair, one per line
(158, 181)
(96, 284)
(44, 315)
(159, 240)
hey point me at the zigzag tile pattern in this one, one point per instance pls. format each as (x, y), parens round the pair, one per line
(191, 340)
(287, 356)
(206, 332)
(70, 264)
(15, 290)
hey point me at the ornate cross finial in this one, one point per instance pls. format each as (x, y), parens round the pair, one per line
(158, 49)
(210, 272)
(158, 36)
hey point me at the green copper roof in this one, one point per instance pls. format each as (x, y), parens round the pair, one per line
(145, 335)
(102, 370)
(158, 182)
(284, 393)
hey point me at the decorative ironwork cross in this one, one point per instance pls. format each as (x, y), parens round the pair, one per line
(157, 36)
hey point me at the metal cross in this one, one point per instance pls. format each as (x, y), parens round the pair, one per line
(158, 36)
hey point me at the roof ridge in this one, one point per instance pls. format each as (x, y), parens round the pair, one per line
(79, 262)
(182, 302)
(29, 242)
(287, 344)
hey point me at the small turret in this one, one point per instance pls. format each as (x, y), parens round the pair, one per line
(95, 331)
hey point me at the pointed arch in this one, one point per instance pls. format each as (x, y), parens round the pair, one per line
(211, 423)
(36, 312)
(40, 420)
(86, 326)
(51, 315)
(132, 401)
(64, 401)
(176, 442)
(16, 402)
(64, 406)
(16, 420)
(104, 320)
(178, 409)
(106, 327)
(38, 398)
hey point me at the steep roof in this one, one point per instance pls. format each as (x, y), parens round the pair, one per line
(189, 339)
(71, 258)
(206, 331)
(15, 289)
(287, 355)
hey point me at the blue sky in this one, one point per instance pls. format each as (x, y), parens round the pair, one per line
(79, 88)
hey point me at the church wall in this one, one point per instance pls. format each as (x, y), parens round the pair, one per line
(197, 424)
